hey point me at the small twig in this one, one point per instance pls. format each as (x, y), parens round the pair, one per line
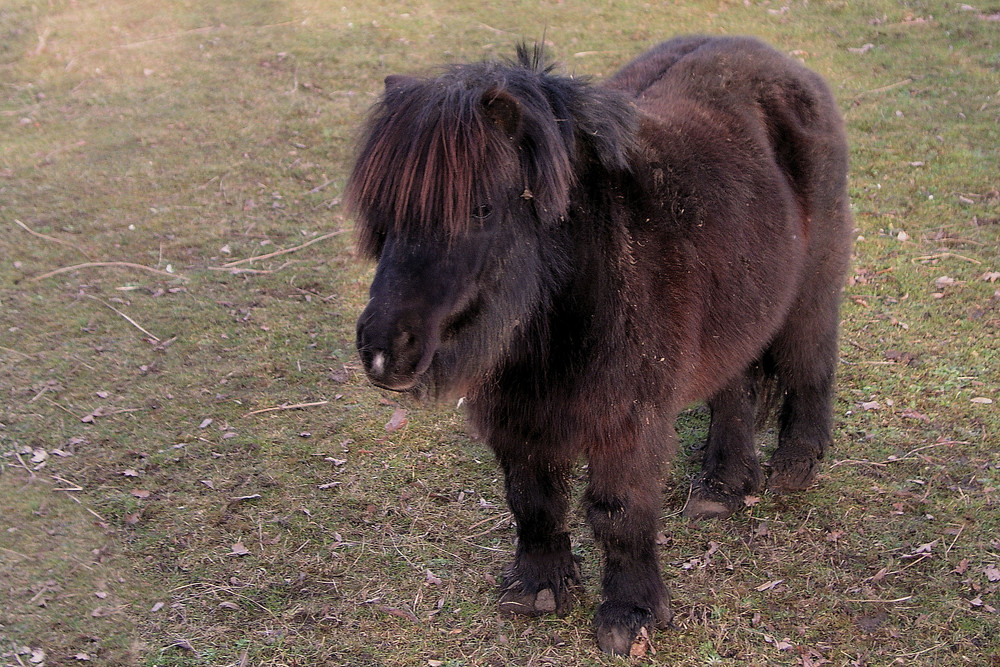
(129, 265)
(163, 345)
(45, 589)
(320, 187)
(40, 392)
(278, 253)
(74, 485)
(43, 38)
(495, 31)
(903, 599)
(884, 464)
(50, 238)
(875, 91)
(48, 157)
(858, 462)
(285, 406)
(920, 449)
(495, 526)
(127, 318)
(957, 535)
(99, 517)
(64, 409)
(236, 271)
(26, 356)
(24, 465)
(504, 517)
(153, 40)
(926, 650)
(16, 553)
(943, 255)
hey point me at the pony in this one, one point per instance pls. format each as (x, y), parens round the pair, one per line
(581, 261)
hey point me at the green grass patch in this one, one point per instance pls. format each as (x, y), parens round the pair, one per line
(193, 471)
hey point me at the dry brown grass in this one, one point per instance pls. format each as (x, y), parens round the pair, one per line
(193, 472)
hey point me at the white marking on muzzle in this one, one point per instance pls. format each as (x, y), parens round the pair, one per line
(378, 363)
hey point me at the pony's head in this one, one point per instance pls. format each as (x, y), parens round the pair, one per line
(461, 191)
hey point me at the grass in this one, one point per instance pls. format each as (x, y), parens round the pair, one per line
(165, 502)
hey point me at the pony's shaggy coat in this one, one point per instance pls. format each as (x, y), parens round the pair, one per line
(582, 261)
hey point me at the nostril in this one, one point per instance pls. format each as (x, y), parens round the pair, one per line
(406, 341)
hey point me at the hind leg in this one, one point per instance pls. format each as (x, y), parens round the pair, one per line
(730, 469)
(544, 571)
(623, 502)
(805, 354)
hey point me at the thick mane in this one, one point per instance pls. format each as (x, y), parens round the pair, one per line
(434, 150)
(424, 159)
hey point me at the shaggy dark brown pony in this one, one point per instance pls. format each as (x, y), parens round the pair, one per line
(582, 261)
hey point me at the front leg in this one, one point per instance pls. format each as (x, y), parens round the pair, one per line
(623, 502)
(544, 573)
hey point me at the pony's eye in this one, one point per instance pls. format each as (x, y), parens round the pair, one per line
(482, 211)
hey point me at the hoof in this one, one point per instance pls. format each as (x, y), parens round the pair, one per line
(531, 594)
(517, 602)
(790, 475)
(624, 629)
(706, 504)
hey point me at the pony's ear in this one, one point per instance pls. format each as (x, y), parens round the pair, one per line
(396, 81)
(503, 110)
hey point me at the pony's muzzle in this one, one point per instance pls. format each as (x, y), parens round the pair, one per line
(394, 357)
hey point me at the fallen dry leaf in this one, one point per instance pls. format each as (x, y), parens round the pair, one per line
(397, 421)
(992, 573)
(239, 549)
(982, 400)
(769, 585)
(401, 613)
(89, 419)
(913, 414)
(140, 493)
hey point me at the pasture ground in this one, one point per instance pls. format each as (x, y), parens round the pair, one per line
(193, 471)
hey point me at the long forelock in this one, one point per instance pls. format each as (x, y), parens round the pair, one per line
(429, 157)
